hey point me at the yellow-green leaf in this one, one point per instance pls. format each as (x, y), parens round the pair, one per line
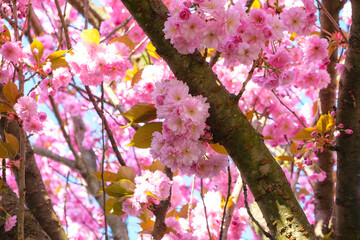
(218, 148)
(126, 40)
(126, 172)
(285, 158)
(152, 50)
(90, 35)
(108, 176)
(152, 195)
(11, 92)
(328, 235)
(109, 205)
(39, 46)
(120, 188)
(141, 112)
(305, 133)
(13, 144)
(57, 59)
(143, 136)
(325, 123)
(137, 77)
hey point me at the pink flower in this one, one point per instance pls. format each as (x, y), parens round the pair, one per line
(61, 77)
(318, 176)
(294, 19)
(11, 52)
(348, 131)
(10, 222)
(184, 13)
(315, 48)
(26, 107)
(4, 76)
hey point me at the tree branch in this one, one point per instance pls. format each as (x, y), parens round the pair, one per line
(229, 126)
(57, 158)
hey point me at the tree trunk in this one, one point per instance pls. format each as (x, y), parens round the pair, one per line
(348, 112)
(230, 127)
(324, 191)
(9, 203)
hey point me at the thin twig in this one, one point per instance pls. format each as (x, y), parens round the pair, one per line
(102, 165)
(251, 216)
(63, 24)
(226, 203)
(26, 19)
(86, 13)
(190, 202)
(138, 46)
(214, 58)
(66, 185)
(4, 169)
(235, 196)
(332, 20)
(123, 24)
(251, 72)
(282, 103)
(205, 212)
(106, 125)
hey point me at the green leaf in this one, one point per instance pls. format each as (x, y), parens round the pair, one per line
(126, 172)
(141, 112)
(57, 59)
(11, 92)
(108, 176)
(120, 188)
(285, 158)
(12, 144)
(90, 35)
(3, 150)
(39, 46)
(143, 136)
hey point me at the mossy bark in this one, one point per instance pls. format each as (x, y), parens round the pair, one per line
(230, 127)
(324, 190)
(347, 206)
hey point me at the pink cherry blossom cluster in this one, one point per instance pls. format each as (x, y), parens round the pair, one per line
(32, 120)
(148, 185)
(11, 51)
(178, 146)
(96, 63)
(202, 24)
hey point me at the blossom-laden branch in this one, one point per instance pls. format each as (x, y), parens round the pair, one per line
(229, 125)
